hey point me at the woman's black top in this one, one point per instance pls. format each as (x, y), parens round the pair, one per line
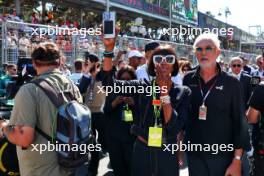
(144, 117)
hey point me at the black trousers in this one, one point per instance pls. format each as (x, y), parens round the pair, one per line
(151, 161)
(204, 166)
(99, 125)
(257, 166)
(120, 154)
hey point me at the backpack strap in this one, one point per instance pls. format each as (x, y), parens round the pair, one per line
(42, 133)
(54, 96)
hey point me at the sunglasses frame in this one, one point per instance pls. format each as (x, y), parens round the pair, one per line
(236, 65)
(164, 59)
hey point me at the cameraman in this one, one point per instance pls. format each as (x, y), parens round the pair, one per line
(34, 109)
(255, 116)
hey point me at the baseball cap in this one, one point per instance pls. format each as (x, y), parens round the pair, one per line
(134, 53)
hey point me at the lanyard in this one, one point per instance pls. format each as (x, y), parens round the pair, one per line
(155, 103)
(208, 92)
(126, 108)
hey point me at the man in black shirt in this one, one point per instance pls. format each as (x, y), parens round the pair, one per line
(256, 109)
(217, 115)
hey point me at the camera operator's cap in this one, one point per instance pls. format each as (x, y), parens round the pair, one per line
(151, 46)
(134, 53)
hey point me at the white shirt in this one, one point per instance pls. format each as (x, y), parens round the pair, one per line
(142, 73)
(259, 73)
(237, 76)
(75, 77)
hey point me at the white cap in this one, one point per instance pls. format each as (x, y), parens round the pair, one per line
(134, 53)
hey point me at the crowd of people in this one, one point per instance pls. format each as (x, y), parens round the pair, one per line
(211, 105)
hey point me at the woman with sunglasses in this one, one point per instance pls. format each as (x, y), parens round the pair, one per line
(159, 114)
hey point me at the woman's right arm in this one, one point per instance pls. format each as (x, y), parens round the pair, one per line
(108, 79)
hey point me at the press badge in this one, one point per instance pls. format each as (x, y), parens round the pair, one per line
(128, 117)
(202, 112)
(155, 137)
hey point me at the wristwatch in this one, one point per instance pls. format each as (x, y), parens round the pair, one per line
(237, 157)
(165, 99)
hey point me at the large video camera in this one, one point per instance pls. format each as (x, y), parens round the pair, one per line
(26, 73)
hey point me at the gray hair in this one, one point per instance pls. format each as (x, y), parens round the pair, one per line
(259, 57)
(236, 59)
(207, 36)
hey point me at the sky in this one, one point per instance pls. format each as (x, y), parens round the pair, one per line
(244, 13)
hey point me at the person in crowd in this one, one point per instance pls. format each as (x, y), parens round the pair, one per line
(255, 116)
(134, 58)
(260, 71)
(33, 109)
(142, 71)
(142, 61)
(216, 117)
(246, 68)
(11, 70)
(236, 65)
(63, 66)
(160, 115)
(90, 85)
(121, 64)
(184, 67)
(121, 114)
(119, 60)
(76, 76)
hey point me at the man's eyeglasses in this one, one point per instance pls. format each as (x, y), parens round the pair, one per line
(236, 65)
(169, 59)
(207, 49)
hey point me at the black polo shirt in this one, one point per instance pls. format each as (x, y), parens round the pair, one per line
(225, 122)
(257, 99)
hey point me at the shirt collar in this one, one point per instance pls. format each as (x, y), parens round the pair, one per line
(238, 76)
(56, 70)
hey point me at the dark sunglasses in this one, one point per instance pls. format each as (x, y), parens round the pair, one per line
(207, 49)
(236, 65)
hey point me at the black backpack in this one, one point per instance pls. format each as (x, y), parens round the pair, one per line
(73, 124)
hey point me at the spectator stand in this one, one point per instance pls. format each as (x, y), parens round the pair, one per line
(18, 40)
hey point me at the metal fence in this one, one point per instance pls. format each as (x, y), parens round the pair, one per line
(18, 40)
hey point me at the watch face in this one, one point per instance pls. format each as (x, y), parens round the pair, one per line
(238, 157)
